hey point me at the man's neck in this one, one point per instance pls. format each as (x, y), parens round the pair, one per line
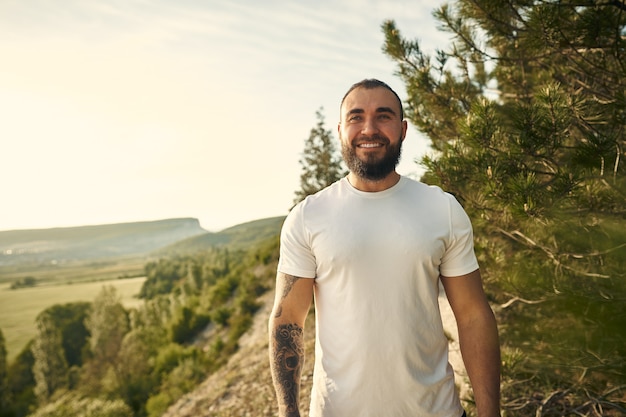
(363, 184)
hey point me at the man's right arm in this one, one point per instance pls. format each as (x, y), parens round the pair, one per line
(286, 325)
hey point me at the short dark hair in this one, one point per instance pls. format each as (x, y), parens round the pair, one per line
(370, 83)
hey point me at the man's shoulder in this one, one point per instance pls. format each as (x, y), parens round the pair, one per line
(330, 192)
(418, 187)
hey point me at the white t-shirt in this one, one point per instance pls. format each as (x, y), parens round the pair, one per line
(376, 260)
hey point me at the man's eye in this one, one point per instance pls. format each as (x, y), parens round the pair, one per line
(354, 118)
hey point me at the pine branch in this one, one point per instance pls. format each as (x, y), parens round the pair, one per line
(521, 300)
(568, 402)
(519, 237)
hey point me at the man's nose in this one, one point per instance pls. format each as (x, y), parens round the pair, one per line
(369, 126)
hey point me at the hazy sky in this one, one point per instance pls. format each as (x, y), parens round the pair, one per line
(130, 110)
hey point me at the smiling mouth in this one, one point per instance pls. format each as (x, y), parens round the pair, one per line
(369, 145)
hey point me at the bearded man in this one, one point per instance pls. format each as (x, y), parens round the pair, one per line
(372, 249)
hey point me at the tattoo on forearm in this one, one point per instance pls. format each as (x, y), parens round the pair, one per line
(287, 361)
(289, 283)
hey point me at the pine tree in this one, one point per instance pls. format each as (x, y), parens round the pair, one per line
(321, 164)
(526, 112)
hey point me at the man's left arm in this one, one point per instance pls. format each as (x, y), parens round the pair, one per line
(478, 339)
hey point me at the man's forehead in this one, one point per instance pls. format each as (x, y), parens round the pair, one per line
(378, 97)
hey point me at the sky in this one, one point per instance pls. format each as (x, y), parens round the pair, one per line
(117, 111)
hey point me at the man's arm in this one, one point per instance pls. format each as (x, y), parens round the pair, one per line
(286, 325)
(478, 339)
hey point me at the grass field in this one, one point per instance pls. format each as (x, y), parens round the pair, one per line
(19, 308)
(69, 272)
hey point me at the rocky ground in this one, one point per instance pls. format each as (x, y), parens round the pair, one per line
(243, 387)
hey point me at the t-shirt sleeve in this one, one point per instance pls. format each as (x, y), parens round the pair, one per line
(296, 256)
(459, 258)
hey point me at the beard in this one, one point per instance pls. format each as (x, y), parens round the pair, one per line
(373, 168)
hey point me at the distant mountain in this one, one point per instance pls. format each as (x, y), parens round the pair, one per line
(160, 238)
(93, 242)
(241, 236)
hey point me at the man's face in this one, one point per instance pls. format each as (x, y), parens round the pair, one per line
(371, 132)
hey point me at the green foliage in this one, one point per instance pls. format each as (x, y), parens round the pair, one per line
(190, 272)
(69, 319)
(4, 386)
(221, 315)
(158, 403)
(179, 369)
(134, 368)
(188, 324)
(321, 163)
(238, 325)
(526, 112)
(108, 323)
(161, 276)
(24, 282)
(153, 314)
(50, 368)
(139, 362)
(22, 382)
(56, 355)
(168, 358)
(223, 290)
(71, 405)
(19, 309)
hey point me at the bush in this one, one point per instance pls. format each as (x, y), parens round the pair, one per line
(158, 404)
(182, 379)
(221, 315)
(188, 325)
(23, 283)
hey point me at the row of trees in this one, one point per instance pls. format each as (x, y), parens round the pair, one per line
(100, 359)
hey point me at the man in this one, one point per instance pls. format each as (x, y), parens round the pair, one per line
(372, 249)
